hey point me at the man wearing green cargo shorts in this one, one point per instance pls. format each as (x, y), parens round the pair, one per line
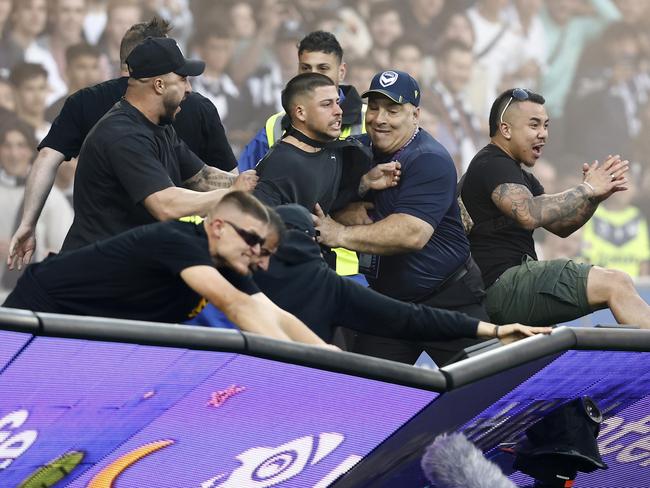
(506, 203)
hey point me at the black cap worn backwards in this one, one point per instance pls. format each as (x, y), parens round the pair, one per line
(157, 56)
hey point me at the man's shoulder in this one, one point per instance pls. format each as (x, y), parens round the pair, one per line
(489, 156)
(110, 89)
(195, 102)
(425, 145)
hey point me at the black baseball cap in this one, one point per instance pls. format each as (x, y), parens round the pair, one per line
(297, 217)
(157, 56)
(399, 86)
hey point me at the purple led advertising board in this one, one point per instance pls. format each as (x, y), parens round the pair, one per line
(99, 414)
(619, 382)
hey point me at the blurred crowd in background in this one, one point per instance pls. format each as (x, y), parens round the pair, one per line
(589, 58)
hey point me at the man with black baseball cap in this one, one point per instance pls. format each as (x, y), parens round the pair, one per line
(157, 56)
(132, 165)
(416, 246)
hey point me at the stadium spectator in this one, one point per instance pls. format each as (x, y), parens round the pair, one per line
(617, 235)
(459, 127)
(163, 270)
(406, 55)
(568, 26)
(120, 16)
(27, 21)
(176, 11)
(495, 45)
(198, 125)
(65, 29)
(360, 74)
(7, 97)
(17, 150)
(386, 27)
(214, 44)
(609, 81)
(424, 20)
(264, 86)
(506, 204)
(318, 52)
(347, 25)
(82, 70)
(531, 45)
(417, 249)
(30, 88)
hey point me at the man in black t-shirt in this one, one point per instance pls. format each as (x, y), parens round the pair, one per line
(197, 124)
(309, 165)
(132, 164)
(506, 203)
(160, 272)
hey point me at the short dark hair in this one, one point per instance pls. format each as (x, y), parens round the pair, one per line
(21, 72)
(500, 103)
(80, 49)
(300, 84)
(137, 33)
(321, 42)
(245, 203)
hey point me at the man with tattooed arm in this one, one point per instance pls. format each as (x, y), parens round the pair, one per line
(506, 204)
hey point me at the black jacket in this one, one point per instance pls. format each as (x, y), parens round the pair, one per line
(300, 282)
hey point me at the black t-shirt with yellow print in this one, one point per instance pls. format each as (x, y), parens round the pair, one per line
(134, 275)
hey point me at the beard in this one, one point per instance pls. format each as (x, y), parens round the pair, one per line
(170, 112)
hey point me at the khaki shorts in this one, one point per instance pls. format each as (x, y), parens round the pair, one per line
(540, 293)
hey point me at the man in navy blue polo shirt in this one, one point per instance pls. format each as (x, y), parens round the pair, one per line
(415, 248)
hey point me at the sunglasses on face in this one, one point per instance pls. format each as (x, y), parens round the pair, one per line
(250, 238)
(518, 94)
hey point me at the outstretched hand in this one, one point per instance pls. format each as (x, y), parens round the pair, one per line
(382, 176)
(21, 248)
(513, 332)
(607, 178)
(246, 181)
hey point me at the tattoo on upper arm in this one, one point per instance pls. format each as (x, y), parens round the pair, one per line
(209, 178)
(569, 209)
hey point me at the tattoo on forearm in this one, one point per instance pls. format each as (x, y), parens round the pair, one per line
(567, 211)
(210, 178)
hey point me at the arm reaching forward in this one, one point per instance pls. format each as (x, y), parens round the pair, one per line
(255, 313)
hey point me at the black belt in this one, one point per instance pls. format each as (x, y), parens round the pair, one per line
(455, 277)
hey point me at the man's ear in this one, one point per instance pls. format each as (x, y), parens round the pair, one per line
(216, 227)
(343, 70)
(299, 113)
(505, 130)
(158, 85)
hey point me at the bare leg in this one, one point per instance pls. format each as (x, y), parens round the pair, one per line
(615, 289)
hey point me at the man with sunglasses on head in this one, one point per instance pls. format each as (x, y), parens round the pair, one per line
(506, 204)
(161, 272)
